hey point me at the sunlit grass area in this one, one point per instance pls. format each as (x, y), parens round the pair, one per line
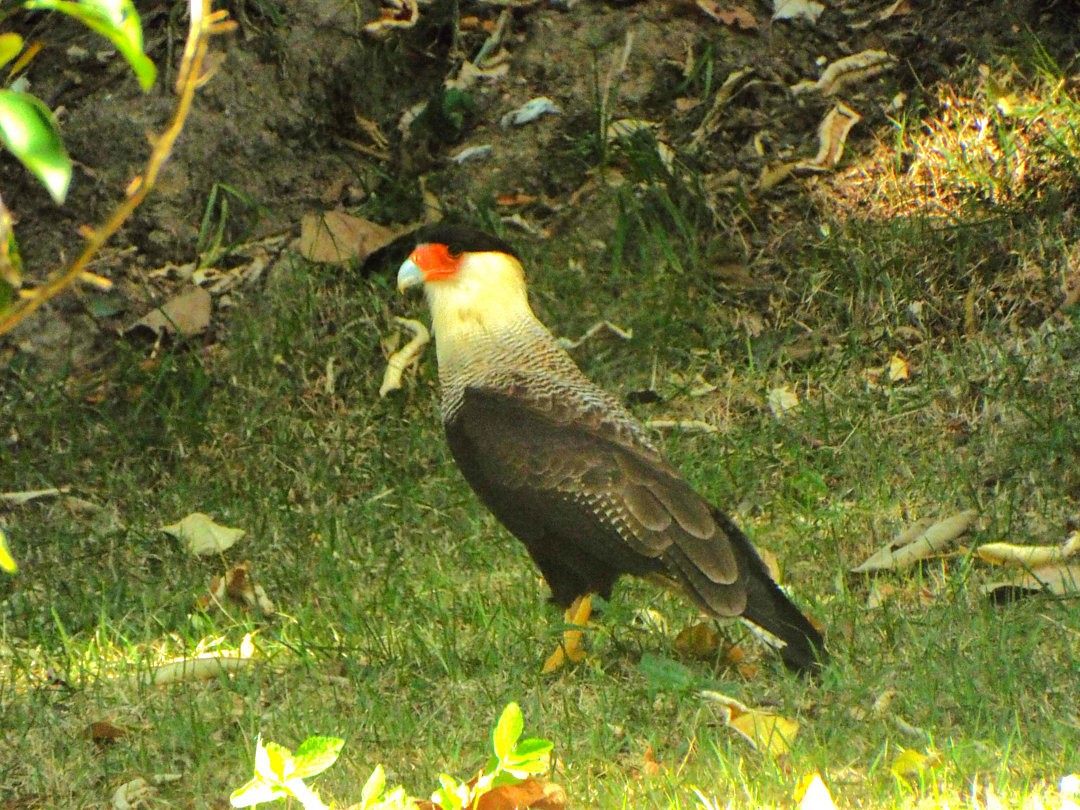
(406, 618)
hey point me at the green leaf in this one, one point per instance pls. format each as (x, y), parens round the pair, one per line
(397, 799)
(529, 750)
(373, 788)
(315, 755)
(7, 562)
(28, 130)
(665, 674)
(255, 792)
(507, 731)
(450, 795)
(117, 21)
(273, 762)
(10, 45)
(531, 756)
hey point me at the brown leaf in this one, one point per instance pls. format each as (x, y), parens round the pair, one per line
(650, 765)
(507, 200)
(532, 793)
(399, 14)
(335, 237)
(104, 733)
(737, 17)
(238, 586)
(698, 641)
(187, 314)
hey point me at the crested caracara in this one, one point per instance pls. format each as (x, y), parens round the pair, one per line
(561, 463)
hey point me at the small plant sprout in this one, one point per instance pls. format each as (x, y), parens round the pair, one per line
(514, 760)
(279, 773)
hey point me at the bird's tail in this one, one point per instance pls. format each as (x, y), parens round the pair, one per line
(769, 608)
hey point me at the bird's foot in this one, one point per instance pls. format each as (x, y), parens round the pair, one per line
(570, 648)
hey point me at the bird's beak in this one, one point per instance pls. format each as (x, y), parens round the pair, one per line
(409, 275)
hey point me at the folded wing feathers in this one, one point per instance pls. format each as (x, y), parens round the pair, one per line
(629, 489)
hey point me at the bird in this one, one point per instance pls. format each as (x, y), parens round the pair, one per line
(565, 467)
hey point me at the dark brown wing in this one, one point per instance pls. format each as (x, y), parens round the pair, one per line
(590, 506)
(576, 486)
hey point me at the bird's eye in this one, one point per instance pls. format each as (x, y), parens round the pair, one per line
(454, 250)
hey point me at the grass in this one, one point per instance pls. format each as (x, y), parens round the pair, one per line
(408, 618)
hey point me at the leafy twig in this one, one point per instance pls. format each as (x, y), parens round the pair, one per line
(205, 23)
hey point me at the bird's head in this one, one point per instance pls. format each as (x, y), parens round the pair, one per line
(473, 281)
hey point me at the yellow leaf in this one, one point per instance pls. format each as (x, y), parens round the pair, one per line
(202, 536)
(899, 368)
(7, 562)
(811, 794)
(10, 45)
(1029, 556)
(911, 762)
(764, 730)
(781, 400)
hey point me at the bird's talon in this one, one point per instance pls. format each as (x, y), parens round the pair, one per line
(570, 649)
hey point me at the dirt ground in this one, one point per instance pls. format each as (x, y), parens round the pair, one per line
(307, 113)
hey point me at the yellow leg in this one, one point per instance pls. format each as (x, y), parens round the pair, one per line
(570, 649)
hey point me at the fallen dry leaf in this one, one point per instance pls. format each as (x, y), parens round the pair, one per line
(910, 762)
(405, 356)
(737, 17)
(650, 765)
(238, 586)
(398, 14)
(698, 641)
(508, 200)
(782, 400)
(1029, 556)
(832, 135)
(773, 174)
(196, 669)
(27, 495)
(899, 368)
(186, 314)
(530, 111)
(1060, 580)
(763, 729)
(911, 546)
(794, 9)
(132, 795)
(811, 794)
(734, 82)
(201, 536)
(532, 794)
(103, 732)
(897, 9)
(334, 237)
(846, 71)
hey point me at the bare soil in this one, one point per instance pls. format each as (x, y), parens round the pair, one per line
(279, 130)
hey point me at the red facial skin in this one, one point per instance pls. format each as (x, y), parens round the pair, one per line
(435, 261)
